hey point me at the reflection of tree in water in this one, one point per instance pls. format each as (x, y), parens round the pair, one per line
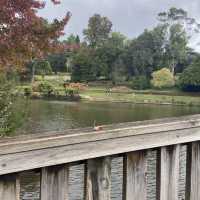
(57, 115)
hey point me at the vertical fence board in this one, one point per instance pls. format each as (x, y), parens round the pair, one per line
(168, 172)
(193, 172)
(135, 180)
(98, 179)
(54, 183)
(9, 187)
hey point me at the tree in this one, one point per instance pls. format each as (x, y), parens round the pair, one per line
(190, 78)
(98, 31)
(73, 39)
(163, 79)
(118, 74)
(179, 16)
(140, 83)
(117, 39)
(107, 56)
(145, 53)
(58, 62)
(175, 47)
(179, 29)
(42, 67)
(82, 66)
(23, 34)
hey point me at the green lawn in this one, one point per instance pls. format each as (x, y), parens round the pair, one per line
(139, 97)
(98, 93)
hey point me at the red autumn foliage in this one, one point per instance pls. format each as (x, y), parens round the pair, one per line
(78, 86)
(24, 35)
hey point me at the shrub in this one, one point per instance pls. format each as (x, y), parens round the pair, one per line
(71, 92)
(27, 91)
(46, 88)
(163, 79)
(189, 80)
(140, 83)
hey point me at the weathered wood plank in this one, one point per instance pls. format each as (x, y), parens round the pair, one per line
(50, 140)
(98, 179)
(54, 183)
(135, 172)
(54, 156)
(9, 187)
(168, 172)
(193, 172)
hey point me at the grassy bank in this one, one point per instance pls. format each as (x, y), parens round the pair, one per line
(139, 97)
(105, 92)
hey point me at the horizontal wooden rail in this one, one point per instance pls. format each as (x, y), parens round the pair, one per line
(35, 152)
(53, 154)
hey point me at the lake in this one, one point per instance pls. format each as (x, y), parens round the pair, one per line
(57, 115)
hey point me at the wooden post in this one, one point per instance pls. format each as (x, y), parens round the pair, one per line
(193, 172)
(168, 172)
(54, 183)
(135, 180)
(9, 187)
(98, 179)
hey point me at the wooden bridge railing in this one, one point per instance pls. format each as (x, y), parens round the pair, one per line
(53, 153)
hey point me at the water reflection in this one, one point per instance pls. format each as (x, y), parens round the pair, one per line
(49, 116)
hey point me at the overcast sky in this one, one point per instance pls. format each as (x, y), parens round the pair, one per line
(129, 17)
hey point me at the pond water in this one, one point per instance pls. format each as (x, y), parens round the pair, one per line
(57, 115)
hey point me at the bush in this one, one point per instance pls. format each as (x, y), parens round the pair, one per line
(27, 91)
(189, 80)
(71, 92)
(163, 79)
(140, 83)
(46, 88)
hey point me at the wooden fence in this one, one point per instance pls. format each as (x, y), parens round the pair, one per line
(53, 153)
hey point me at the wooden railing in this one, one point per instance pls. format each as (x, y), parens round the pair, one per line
(53, 153)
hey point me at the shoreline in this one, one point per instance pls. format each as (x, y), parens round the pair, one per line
(111, 99)
(144, 103)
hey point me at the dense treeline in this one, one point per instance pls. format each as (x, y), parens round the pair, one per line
(107, 55)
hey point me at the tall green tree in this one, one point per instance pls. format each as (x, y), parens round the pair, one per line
(176, 47)
(190, 78)
(179, 29)
(108, 55)
(73, 39)
(98, 30)
(144, 54)
(82, 66)
(42, 67)
(58, 62)
(179, 16)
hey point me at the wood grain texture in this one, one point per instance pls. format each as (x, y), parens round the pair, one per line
(98, 179)
(193, 172)
(168, 172)
(9, 187)
(70, 153)
(54, 183)
(135, 176)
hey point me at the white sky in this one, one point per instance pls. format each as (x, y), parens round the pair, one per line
(129, 17)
